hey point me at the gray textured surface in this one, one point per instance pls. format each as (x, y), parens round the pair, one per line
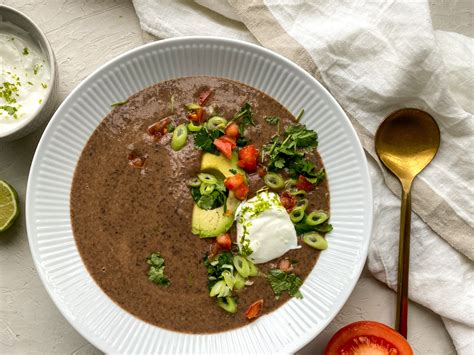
(84, 35)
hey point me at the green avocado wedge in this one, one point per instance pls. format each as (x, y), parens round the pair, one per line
(212, 223)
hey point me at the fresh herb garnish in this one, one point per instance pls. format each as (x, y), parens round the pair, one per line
(204, 140)
(170, 128)
(284, 282)
(36, 68)
(26, 51)
(233, 171)
(245, 117)
(119, 103)
(289, 151)
(44, 85)
(156, 272)
(208, 201)
(216, 267)
(273, 120)
(11, 110)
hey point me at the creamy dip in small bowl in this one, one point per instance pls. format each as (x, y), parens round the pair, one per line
(28, 75)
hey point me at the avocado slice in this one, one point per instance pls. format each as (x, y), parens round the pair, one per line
(212, 223)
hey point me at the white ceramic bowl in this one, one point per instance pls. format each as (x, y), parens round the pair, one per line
(44, 111)
(62, 271)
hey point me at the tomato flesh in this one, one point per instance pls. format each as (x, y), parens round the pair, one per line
(232, 182)
(241, 192)
(248, 158)
(232, 130)
(303, 184)
(368, 338)
(224, 147)
(224, 241)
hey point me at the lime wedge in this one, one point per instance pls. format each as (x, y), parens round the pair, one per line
(8, 206)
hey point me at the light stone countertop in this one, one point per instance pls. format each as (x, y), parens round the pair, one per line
(84, 35)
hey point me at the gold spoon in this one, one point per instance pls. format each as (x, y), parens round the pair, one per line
(406, 142)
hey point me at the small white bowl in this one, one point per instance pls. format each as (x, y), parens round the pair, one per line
(45, 110)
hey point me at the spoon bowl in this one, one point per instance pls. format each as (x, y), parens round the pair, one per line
(406, 142)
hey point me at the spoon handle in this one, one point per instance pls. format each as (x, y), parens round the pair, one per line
(404, 260)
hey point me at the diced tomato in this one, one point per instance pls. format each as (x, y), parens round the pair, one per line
(232, 130)
(241, 192)
(136, 161)
(288, 201)
(159, 128)
(204, 95)
(196, 115)
(303, 184)
(285, 265)
(224, 146)
(232, 182)
(231, 140)
(224, 241)
(261, 171)
(248, 158)
(368, 337)
(254, 309)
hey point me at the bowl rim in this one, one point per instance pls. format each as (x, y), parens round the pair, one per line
(41, 37)
(96, 341)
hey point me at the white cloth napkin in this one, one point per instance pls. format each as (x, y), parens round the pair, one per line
(376, 57)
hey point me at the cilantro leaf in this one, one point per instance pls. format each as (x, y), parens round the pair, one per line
(284, 282)
(216, 198)
(245, 116)
(156, 272)
(217, 266)
(204, 140)
(273, 120)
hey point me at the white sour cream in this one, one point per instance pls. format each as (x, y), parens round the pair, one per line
(264, 225)
(24, 76)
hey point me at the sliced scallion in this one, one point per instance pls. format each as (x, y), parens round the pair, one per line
(239, 281)
(297, 214)
(302, 203)
(242, 266)
(220, 289)
(192, 106)
(253, 270)
(194, 128)
(315, 240)
(207, 178)
(315, 218)
(180, 135)
(229, 278)
(274, 181)
(216, 122)
(206, 189)
(228, 304)
(194, 182)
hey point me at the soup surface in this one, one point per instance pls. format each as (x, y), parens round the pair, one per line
(120, 214)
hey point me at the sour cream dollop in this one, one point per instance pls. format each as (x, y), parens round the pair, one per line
(264, 226)
(24, 76)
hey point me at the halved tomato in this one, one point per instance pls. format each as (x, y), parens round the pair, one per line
(368, 338)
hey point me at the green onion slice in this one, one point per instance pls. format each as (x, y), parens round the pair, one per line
(194, 182)
(253, 270)
(228, 304)
(297, 214)
(194, 128)
(315, 218)
(216, 122)
(239, 282)
(207, 178)
(228, 278)
(242, 266)
(315, 240)
(274, 181)
(220, 289)
(180, 135)
(302, 203)
(206, 189)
